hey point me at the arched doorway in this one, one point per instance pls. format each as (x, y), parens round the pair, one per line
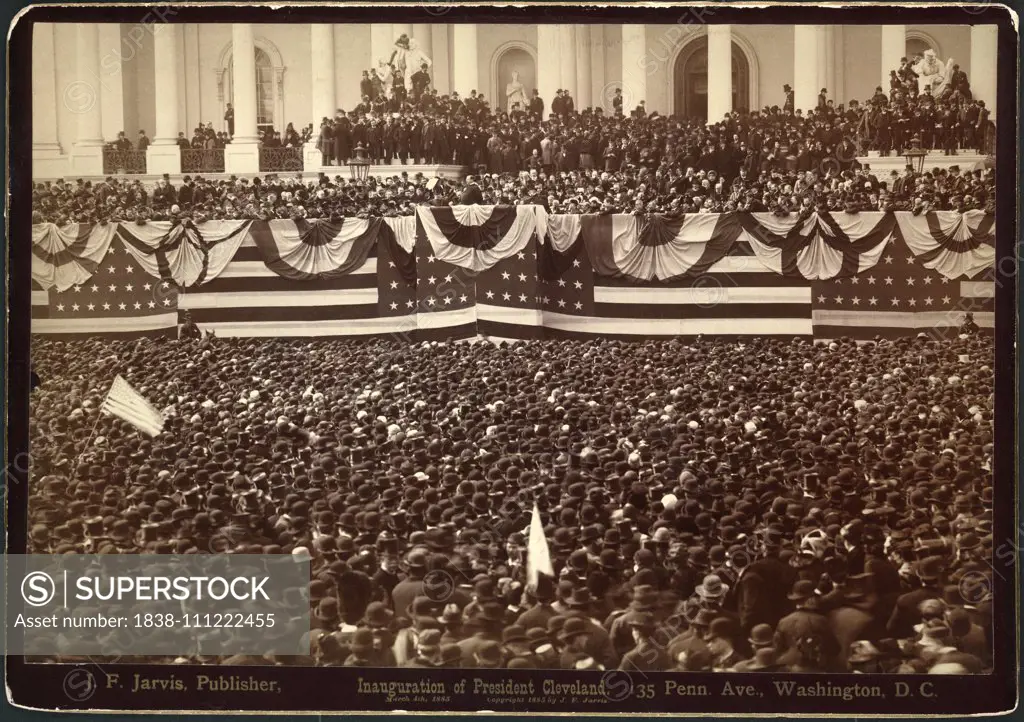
(507, 60)
(691, 80)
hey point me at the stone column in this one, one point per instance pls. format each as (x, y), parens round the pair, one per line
(634, 67)
(321, 44)
(164, 155)
(466, 65)
(584, 95)
(601, 98)
(421, 32)
(44, 90)
(719, 72)
(894, 47)
(549, 64)
(111, 82)
(348, 69)
(242, 154)
(324, 86)
(424, 36)
(82, 98)
(381, 43)
(830, 63)
(190, 39)
(567, 43)
(821, 39)
(440, 72)
(839, 38)
(984, 55)
(808, 65)
(47, 161)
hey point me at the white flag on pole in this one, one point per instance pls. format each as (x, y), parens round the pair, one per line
(538, 558)
(126, 403)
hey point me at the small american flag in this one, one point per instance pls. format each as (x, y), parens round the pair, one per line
(126, 403)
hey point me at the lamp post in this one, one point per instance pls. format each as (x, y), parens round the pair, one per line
(359, 166)
(915, 155)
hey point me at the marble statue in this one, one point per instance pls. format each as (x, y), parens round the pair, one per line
(516, 93)
(407, 58)
(932, 73)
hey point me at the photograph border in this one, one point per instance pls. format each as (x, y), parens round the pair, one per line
(333, 689)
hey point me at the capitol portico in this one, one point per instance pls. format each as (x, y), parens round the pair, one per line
(164, 78)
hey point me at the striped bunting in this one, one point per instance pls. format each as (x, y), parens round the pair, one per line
(606, 276)
(63, 257)
(902, 295)
(117, 300)
(250, 299)
(735, 296)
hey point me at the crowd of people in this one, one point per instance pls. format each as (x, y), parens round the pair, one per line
(743, 506)
(644, 189)
(421, 125)
(583, 161)
(204, 137)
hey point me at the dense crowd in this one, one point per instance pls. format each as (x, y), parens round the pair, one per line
(582, 161)
(753, 506)
(633, 190)
(416, 124)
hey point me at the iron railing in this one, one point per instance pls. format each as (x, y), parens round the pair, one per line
(280, 160)
(124, 162)
(202, 160)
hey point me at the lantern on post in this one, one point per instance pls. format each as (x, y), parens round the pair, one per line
(915, 155)
(359, 166)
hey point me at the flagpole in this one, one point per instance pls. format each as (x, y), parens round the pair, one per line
(99, 414)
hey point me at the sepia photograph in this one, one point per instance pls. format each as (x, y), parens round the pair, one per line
(594, 364)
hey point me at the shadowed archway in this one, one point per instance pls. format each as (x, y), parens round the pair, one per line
(690, 89)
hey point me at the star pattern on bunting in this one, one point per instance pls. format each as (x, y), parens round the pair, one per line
(119, 296)
(573, 291)
(512, 282)
(396, 294)
(906, 287)
(443, 286)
